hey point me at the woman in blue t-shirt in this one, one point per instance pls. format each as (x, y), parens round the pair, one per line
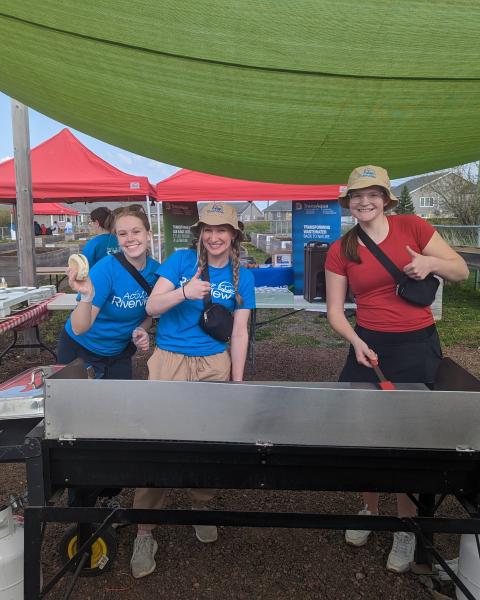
(184, 352)
(105, 242)
(110, 320)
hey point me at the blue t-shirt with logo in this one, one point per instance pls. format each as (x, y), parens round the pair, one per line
(178, 329)
(121, 301)
(100, 246)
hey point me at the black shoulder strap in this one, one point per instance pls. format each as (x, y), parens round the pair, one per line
(390, 266)
(133, 272)
(207, 300)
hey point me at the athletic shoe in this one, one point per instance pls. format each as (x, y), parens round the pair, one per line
(143, 562)
(205, 533)
(402, 552)
(358, 537)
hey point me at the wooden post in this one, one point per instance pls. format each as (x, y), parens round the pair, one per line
(23, 178)
(24, 207)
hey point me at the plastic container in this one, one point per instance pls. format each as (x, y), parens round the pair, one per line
(469, 566)
(11, 556)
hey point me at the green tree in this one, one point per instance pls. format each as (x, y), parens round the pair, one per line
(405, 204)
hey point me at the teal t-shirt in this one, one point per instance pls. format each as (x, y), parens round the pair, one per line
(178, 329)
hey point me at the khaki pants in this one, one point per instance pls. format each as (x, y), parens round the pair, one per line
(169, 366)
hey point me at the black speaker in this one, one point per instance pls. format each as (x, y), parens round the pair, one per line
(314, 287)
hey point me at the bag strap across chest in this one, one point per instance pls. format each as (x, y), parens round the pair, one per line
(389, 265)
(133, 272)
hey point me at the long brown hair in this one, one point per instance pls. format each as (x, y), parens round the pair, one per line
(234, 256)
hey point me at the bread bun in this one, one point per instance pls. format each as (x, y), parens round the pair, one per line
(79, 262)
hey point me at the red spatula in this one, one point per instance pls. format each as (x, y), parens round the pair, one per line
(383, 382)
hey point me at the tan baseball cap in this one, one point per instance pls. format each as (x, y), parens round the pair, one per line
(363, 177)
(218, 213)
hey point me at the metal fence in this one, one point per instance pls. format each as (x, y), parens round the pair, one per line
(460, 235)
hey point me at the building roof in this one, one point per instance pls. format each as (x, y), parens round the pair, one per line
(417, 182)
(284, 206)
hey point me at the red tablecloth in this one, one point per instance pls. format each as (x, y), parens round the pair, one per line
(31, 316)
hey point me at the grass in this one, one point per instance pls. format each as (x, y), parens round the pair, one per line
(460, 323)
(258, 255)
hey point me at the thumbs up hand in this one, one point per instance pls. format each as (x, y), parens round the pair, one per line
(196, 289)
(419, 266)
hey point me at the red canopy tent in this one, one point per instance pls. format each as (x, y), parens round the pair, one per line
(53, 208)
(64, 169)
(191, 186)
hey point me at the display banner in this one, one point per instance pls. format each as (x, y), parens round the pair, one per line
(178, 217)
(312, 221)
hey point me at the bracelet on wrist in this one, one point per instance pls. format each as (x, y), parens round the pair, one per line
(183, 290)
(86, 298)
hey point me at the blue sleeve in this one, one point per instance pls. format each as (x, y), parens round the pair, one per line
(101, 276)
(247, 289)
(171, 269)
(89, 251)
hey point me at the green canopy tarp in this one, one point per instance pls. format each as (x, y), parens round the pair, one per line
(291, 92)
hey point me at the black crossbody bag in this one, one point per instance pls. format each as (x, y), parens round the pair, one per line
(216, 320)
(133, 272)
(416, 291)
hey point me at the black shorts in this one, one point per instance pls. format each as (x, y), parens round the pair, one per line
(406, 357)
(118, 366)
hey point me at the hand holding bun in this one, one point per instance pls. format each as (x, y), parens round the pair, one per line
(80, 264)
(78, 278)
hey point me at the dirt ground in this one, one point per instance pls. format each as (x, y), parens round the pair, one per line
(247, 563)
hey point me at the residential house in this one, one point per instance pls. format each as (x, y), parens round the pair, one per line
(278, 211)
(427, 202)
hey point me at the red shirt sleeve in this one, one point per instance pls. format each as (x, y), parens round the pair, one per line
(335, 261)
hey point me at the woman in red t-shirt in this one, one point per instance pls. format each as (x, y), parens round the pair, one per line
(400, 335)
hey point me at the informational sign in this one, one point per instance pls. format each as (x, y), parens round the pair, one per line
(178, 217)
(312, 221)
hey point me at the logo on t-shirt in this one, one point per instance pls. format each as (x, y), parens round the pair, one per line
(223, 290)
(130, 300)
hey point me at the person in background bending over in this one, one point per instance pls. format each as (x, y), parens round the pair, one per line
(105, 242)
(110, 320)
(400, 335)
(184, 352)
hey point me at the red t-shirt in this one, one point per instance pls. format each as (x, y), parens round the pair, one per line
(378, 306)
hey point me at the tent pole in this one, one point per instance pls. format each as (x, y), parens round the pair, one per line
(159, 233)
(152, 248)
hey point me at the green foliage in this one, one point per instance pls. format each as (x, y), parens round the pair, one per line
(4, 217)
(257, 226)
(461, 306)
(258, 255)
(405, 204)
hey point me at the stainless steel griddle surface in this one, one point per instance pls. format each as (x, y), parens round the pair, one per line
(292, 414)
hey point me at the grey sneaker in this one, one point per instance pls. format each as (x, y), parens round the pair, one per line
(402, 552)
(143, 562)
(358, 537)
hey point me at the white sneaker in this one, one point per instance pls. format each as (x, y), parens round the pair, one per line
(402, 552)
(206, 534)
(143, 562)
(358, 537)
